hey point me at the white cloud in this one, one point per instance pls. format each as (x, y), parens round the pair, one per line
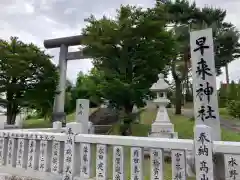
(37, 20)
(19, 8)
(29, 8)
(69, 10)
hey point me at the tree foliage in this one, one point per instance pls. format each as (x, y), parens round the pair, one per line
(184, 17)
(233, 101)
(85, 88)
(128, 52)
(222, 96)
(27, 76)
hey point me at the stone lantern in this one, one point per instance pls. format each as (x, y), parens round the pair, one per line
(162, 127)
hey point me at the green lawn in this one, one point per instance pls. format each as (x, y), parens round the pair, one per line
(224, 114)
(184, 126)
(41, 123)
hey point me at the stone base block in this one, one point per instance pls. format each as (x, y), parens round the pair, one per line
(59, 116)
(163, 128)
(161, 135)
(57, 125)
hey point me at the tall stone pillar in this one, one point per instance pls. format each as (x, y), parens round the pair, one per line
(58, 113)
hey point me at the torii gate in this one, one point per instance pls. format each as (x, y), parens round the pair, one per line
(64, 56)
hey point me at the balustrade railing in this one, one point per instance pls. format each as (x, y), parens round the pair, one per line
(70, 155)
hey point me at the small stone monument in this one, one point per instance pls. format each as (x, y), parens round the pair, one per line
(162, 127)
(82, 115)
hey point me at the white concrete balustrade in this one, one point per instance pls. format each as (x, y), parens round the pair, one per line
(68, 156)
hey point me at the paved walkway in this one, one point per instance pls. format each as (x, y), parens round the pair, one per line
(227, 124)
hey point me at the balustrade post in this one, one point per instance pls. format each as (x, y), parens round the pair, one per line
(45, 152)
(157, 163)
(71, 160)
(179, 164)
(57, 159)
(118, 163)
(22, 152)
(137, 158)
(33, 151)
(3, 148)
(232, 166)
(12, 150)
(101, 162)
(203, 152)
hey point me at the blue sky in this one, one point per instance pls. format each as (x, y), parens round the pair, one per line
(36, 20)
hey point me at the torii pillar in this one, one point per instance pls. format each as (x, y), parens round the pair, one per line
(64, 56)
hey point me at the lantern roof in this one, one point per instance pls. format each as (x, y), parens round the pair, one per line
(160, 85)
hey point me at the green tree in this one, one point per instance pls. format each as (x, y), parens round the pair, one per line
(86, 88)
(228, 47)
(27, 76)
(128, 51)
(222, 96)
(233, 105)
(233, 91)
(184, 17)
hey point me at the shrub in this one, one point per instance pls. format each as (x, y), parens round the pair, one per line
(223, 96)
(233, 108)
